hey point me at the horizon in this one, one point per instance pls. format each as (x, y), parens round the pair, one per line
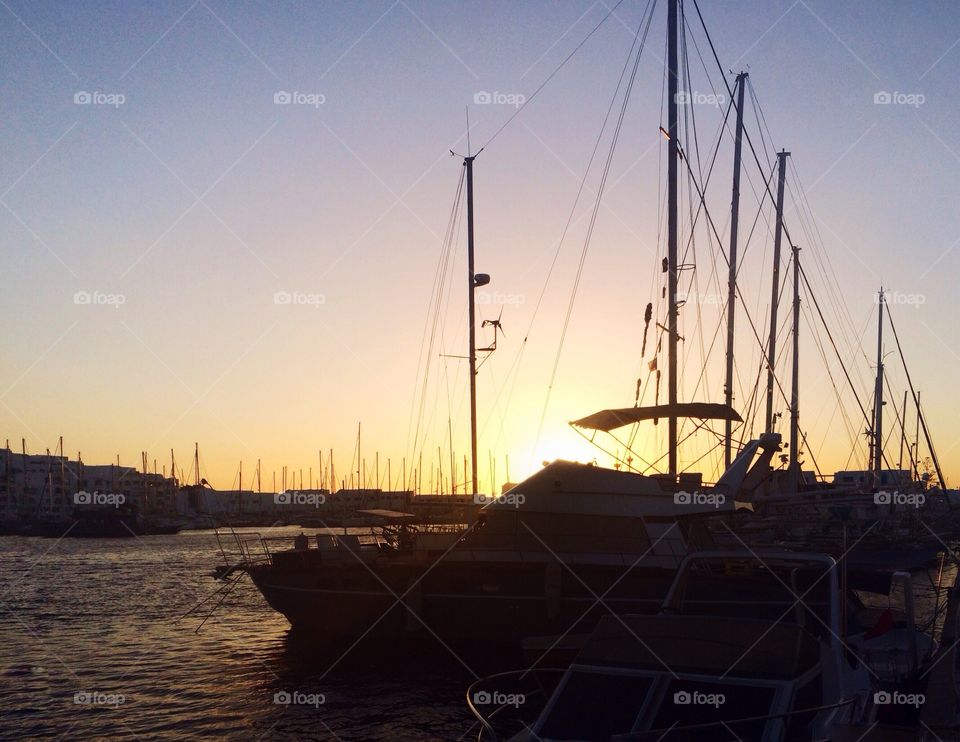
(225, 224)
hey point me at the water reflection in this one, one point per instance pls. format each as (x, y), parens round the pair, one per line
(92, 644)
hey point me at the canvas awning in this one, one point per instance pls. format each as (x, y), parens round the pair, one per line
(607, 420)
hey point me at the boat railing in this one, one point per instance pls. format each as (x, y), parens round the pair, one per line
(665, 733)
(488, 732)
(481, 690)
(241, 548)
(252, 547)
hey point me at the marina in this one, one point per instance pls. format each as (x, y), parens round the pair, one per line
(744, 529)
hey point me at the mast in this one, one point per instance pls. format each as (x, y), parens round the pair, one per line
(471, 287)
(916, 440)
(673, 117)
(778, 236)
(903, 431)
(878, 398)
(63, 489)
(795, 390)
(732, 281)
(23, 457)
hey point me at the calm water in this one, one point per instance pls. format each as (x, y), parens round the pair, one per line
(101, 617)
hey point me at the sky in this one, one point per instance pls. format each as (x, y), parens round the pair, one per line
(221, 223)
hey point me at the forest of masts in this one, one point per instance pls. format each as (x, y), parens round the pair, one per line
(379, 474)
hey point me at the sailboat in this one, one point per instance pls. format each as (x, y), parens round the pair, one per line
(554, 553)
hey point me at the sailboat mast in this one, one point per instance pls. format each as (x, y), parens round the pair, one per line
(878, 398)
(903, 431)
(732, 280)
(795, 390)
(778, 236)
(916, 437)
(673, 118)
(471, 288)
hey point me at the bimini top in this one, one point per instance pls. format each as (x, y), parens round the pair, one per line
(607, 420)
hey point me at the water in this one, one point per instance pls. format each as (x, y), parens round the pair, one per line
(100, 617)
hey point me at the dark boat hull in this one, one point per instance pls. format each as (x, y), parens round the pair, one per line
(456, 602)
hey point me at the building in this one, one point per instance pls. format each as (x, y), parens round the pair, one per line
(49, 486)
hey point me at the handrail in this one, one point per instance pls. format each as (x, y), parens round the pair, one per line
(639, 735)
(728, 722)
(487, 726)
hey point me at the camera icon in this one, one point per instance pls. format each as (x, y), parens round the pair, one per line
(882, 498)
(82, 98)
(282, 297)
(82, 498)
(683, 97)
(81, 698)
(882, 698)
(282, 498)
(882, 98)
(682, 498)
(282, 698)
(482, 698)
(482, 98)
(682, 698)
(82, 297)
(282, 98)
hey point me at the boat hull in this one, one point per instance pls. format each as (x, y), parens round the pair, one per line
(457, 602)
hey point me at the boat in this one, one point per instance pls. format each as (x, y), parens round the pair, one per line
(553, 553)
(123, 521)
(765, 646)
(574, 541)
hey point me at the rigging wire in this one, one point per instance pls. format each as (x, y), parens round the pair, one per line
(550, 76)
(439, 282)
(645, 28)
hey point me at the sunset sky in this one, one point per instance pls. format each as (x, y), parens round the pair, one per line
(152, 166)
